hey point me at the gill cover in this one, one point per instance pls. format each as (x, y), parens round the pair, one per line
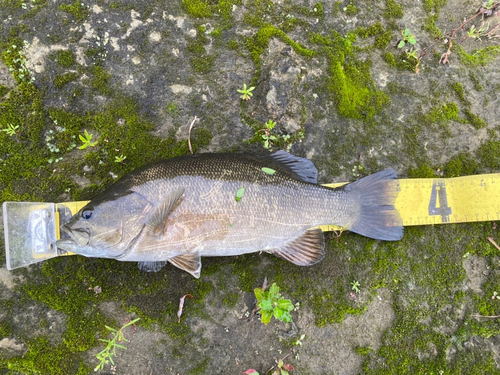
(107, 225)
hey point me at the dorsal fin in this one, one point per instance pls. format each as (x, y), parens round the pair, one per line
(306, 250)
(301, 168)
(158, 217)
(189, 262)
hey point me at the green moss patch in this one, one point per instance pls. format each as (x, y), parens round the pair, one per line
(200, 60)
(460, 165)
(479, 57)
(393, 9)
(77, 9)
(63, 79)
(260, 41)
(349, 79)
(65, 58)
(402, 62)
(210, 8)
(489, 155)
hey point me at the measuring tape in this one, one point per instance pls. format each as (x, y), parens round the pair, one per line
(429, 201)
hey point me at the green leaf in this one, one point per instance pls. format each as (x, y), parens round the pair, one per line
(278, 313)
(407, 32)
(265, 316)
(286, 317)
(82, 138)
(412, 40)
(239, 194)
(260, 294)
(274, 289)
(270, 124)
(401, 44)
(265, 305)
(268, 171)
(285, 304)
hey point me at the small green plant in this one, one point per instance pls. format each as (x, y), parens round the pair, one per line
(358, 170)
(355, 286)
(106, 355)
(172, 109)
(283, 368)
(412, 53)
(86, 140)
(267, 136)
(120, 159)
(16, 61)
(475, 33)
(488, 4)
(271, 303)
(11, 130)
(246, 92)
(298, 342)
(407, 38)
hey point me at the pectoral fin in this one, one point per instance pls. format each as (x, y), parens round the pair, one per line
(190, 263)
(158, 218)
(151, 266)
(306, 250)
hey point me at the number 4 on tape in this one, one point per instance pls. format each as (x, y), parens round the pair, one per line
(438, 205)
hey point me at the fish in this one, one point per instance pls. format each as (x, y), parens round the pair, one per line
(221, 204)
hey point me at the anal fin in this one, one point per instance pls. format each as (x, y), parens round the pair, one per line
(306, 250)
(151, 266)
(189, 262)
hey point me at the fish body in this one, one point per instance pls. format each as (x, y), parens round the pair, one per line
(184, 208)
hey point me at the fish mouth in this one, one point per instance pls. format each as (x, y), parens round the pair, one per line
(79, 237)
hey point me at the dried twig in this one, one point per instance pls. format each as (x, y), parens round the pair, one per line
(181, 305)
(264, 284)
(449, 36)
(493, 242)
(477, 316)
(444, 57)
(189, 133)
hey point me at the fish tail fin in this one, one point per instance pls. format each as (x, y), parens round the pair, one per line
(376, 217)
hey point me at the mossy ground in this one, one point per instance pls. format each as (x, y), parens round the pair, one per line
(351, 103)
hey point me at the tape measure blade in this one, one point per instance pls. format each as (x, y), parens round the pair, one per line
(452, 200)
(447, 200)
(474, 198)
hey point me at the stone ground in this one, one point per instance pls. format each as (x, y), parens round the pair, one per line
(330, 74)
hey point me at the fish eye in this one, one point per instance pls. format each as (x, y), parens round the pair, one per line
(87, 214)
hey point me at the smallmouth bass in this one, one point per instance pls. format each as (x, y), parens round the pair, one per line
(181, 209)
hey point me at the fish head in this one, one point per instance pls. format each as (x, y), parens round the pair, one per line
(106, 226)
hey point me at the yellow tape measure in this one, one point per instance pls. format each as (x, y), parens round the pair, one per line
(430, 201)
